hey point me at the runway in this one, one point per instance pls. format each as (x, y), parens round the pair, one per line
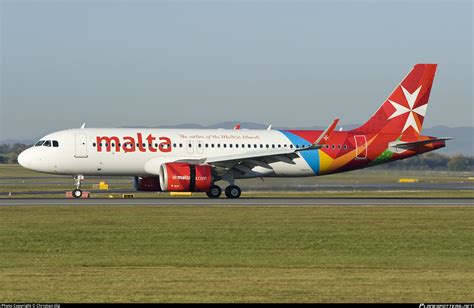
(257, 202)
(297, 187)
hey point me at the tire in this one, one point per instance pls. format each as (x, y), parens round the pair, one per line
(233, 191)
(214, 192)
(77, 193)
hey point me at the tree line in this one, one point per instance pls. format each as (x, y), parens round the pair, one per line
(432, 161)
(9, 152)
(428, 161)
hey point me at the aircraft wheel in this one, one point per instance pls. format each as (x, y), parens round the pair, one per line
(214, 192)
(233, 191)
(77, 193)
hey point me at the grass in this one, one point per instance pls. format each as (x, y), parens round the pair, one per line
(236, 254)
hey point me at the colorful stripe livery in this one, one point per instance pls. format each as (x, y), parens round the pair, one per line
(399, 118)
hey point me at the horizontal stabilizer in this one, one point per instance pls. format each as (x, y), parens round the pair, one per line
(410, 145)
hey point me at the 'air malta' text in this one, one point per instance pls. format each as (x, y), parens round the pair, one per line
(131, 144)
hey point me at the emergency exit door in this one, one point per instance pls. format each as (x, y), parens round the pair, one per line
(361, 146)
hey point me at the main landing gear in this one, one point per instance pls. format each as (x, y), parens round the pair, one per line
(77, 193)
(214, 192)
(231, 191)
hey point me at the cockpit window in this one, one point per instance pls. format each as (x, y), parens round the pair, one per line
(39, 143)
(55, 144)
(47, 143)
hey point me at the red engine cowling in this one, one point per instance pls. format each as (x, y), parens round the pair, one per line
(185, 177)
(149, 183)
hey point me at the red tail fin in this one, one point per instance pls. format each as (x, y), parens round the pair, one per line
(404, 110)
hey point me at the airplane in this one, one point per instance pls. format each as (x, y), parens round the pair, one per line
(192, 160)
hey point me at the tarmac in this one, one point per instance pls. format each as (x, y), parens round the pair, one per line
(243, 202)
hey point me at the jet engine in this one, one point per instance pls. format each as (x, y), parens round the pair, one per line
(185, 177)
(149, 183)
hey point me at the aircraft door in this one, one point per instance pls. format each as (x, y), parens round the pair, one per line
(361, 146)
(81, 145)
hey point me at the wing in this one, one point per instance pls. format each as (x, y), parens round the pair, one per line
(244, 162)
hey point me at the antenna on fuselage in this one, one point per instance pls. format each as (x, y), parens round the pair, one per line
(269, 127)
(83, 125)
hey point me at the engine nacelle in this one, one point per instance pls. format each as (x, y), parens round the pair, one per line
(149, 183)
(185, 177)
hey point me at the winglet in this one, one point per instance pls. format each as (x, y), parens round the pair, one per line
(324, 137)
(237, 126)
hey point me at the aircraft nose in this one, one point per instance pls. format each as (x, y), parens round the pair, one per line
(24, 159)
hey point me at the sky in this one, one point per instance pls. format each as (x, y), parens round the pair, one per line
(288, 63)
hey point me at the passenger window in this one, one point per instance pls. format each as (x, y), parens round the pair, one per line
(55, 144)
(47, 143)
(94, 144)
(345, 146)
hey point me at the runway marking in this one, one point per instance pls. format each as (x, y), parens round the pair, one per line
(244, 202)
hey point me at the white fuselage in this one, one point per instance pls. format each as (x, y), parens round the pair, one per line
(78, 151)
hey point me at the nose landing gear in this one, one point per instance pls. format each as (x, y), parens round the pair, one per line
(77, 193)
